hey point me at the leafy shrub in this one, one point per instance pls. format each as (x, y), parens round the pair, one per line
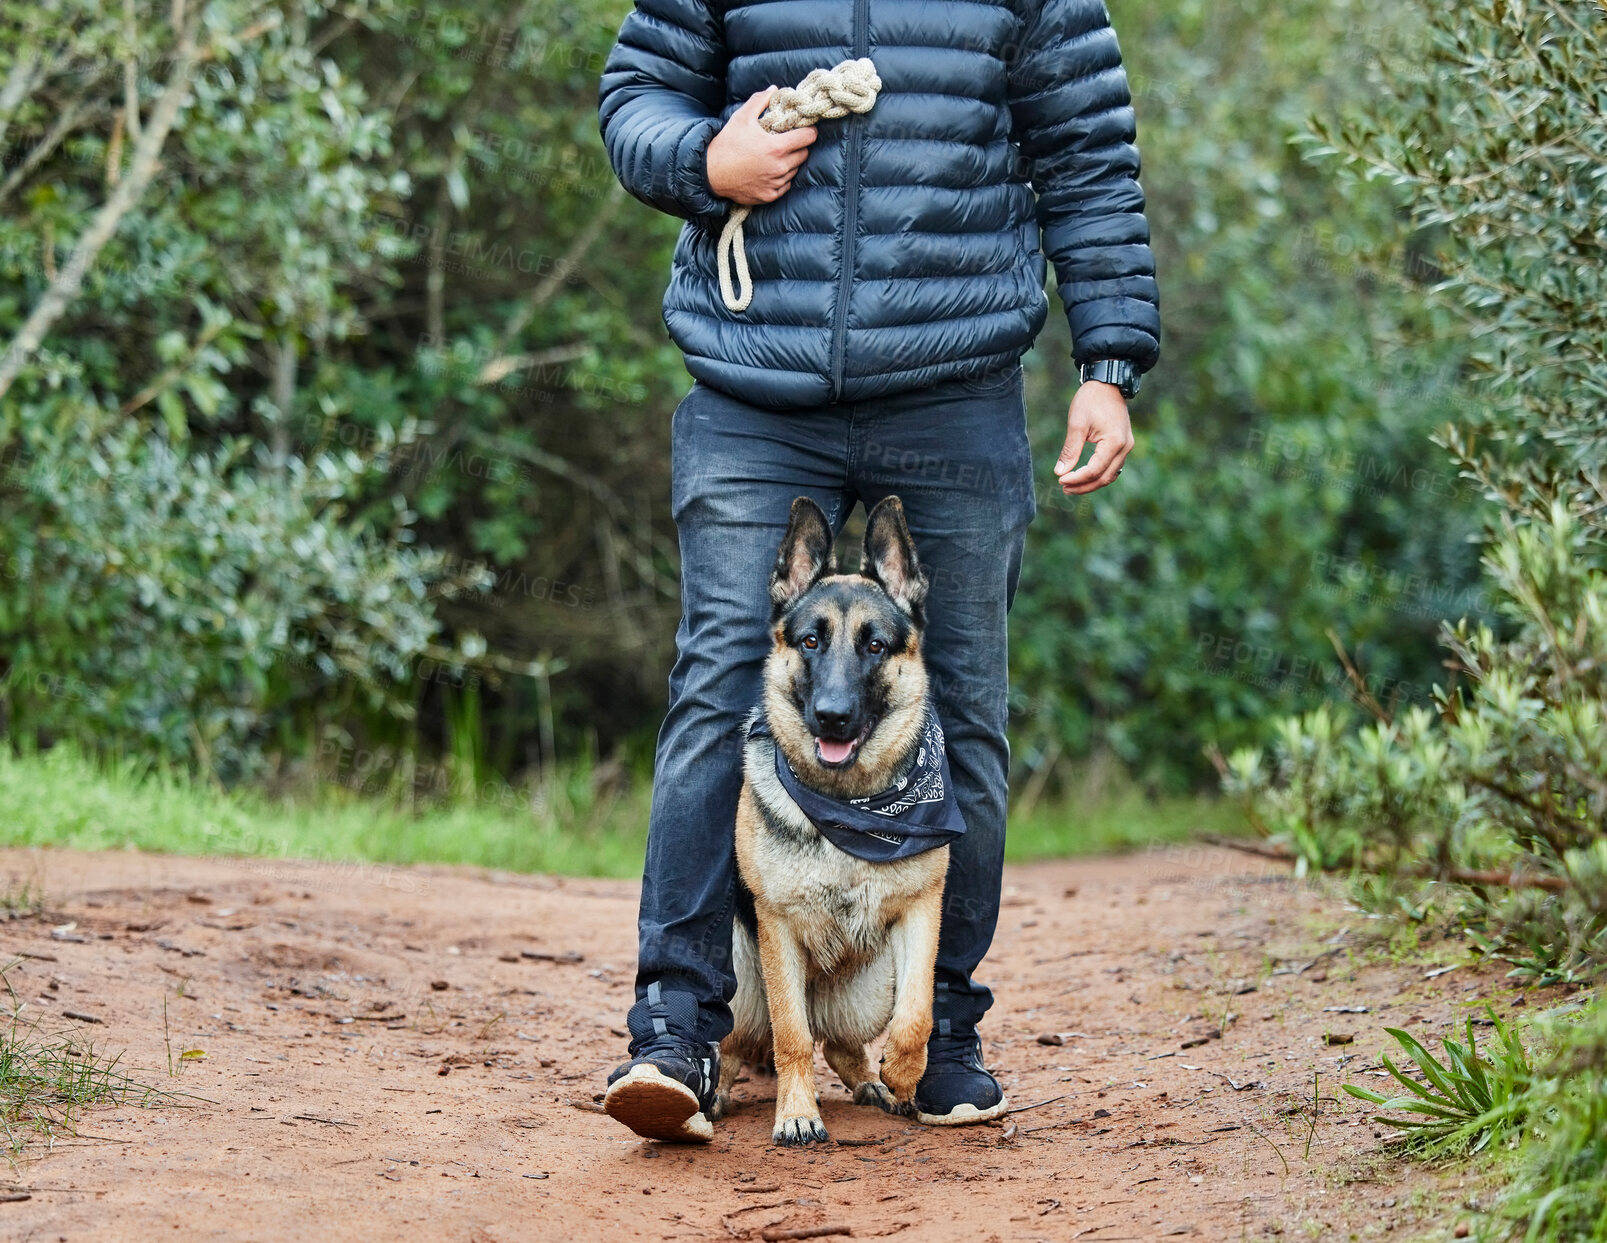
(186, 604)
(1283, 482)
(178, 580)
(1498, 791)
(1501, 788)
(1544, 1113)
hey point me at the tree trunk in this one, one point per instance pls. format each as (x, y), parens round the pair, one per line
(147, 154)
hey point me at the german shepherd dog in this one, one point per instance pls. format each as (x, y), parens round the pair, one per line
(840, 949)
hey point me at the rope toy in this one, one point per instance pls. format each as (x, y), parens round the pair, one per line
(823, 96)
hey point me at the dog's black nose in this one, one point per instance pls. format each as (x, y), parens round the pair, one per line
(833, 720)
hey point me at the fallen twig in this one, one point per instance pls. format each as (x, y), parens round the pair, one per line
(1506, 880)
(775, 1234)
(1021, 1109)
(1053, 1126)
(1257, 849)
(752, 1208)
(1461, 876)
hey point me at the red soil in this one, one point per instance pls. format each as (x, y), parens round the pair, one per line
(416, 1053)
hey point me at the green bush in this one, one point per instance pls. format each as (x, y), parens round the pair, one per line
(1502, 787)
(1540, 1114)
(392, 230)
(1283, 483)
(178, 580)
(1498, 793)
(181, 603)
(1463, 1103)
(1561, 1191)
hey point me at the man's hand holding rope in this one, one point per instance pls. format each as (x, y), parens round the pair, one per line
(749, 164)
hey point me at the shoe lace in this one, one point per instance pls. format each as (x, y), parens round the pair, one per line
(678, 1048)
(963, 1045)
(670, 1045)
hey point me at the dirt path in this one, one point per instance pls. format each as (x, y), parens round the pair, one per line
(412, 1053)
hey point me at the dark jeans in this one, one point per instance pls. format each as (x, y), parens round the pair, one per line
(957, 455)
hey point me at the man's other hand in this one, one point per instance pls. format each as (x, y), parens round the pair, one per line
(1098, 417)
(747, 163)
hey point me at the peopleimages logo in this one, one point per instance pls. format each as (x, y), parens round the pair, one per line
(1292, 457)
(539, 380)
(1269, 668)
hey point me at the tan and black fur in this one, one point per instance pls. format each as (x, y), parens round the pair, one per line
(843, 949)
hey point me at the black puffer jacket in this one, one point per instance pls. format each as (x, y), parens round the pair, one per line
(907, 250)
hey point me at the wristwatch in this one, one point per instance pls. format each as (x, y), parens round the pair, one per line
(1118, 371)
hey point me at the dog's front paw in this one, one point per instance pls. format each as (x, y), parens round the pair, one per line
(901, 1072)
(878, 1094)
(795, 1132)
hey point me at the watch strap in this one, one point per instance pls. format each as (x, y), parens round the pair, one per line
(1120, 372)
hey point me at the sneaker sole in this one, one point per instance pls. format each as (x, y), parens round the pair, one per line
(657, 1107)
(965, 1114)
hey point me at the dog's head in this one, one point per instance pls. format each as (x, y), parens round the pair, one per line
(845, 685)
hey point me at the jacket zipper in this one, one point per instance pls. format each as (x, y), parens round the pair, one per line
(845, 278)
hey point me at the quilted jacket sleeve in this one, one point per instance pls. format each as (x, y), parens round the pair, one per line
(662, 91)
(1073, 118)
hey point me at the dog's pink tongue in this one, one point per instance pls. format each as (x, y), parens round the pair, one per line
(834, 752)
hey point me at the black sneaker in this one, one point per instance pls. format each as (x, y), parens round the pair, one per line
(956, 1089)
(667, 1091)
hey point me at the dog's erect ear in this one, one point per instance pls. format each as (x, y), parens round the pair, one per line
(890, 557)
(806, 555)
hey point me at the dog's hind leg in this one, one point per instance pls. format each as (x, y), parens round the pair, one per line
(848, 1011)
(785, 984)
(914, 943)
(730, 1068)
(852, 1065)
(749, 1040)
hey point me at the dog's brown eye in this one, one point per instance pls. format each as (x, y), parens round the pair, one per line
(811, 642)
(875, 647)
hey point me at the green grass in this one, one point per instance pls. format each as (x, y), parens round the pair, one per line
(48, 1079)
(1525, 1114)
(62, 798)
(1559, 1194)
(1115, 821)
(1464, 1103)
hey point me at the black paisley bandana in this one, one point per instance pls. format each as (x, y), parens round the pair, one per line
(916, 815)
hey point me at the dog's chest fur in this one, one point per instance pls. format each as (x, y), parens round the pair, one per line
(839, 907)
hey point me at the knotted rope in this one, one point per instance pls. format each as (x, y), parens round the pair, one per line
(824, 95)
